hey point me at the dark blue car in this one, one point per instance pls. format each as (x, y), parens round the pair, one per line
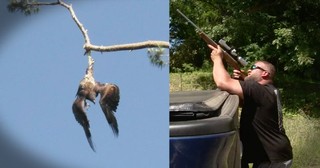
(204, 130)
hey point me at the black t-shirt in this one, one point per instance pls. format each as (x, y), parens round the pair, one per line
(261, 131)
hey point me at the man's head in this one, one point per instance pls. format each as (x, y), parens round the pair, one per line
(262, 72)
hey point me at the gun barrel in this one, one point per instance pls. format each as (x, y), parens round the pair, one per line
(233, 60)
(194, 25)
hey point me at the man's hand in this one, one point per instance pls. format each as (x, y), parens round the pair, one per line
(216, 52)
(237, 74)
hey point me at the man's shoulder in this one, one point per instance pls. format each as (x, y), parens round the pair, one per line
(256, 90)
(249, 84)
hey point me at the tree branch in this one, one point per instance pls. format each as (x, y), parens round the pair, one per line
(79, 24)
(131, 46)
(26, 6)
(43, 3)
(88, 46)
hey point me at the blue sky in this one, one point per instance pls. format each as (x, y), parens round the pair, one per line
(42, 62)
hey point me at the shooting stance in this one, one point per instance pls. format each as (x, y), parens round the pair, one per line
(263, 137)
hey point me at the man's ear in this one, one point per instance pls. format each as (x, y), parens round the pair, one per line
(265, 75)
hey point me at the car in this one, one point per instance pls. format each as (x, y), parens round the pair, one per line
(204, 129)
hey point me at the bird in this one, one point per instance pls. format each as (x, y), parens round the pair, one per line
(89, 89)
(109, 101)
(78, 108)
(85, 92)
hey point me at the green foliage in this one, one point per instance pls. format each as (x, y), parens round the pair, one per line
(188, 49)
(299, 96)
(156, 56)
(286, 33)
(22, 6)
(284, 36)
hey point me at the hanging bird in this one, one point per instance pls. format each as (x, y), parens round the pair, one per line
(85, 91)
(88, 90)
(109, 100)
(87, 87)
(79, 107)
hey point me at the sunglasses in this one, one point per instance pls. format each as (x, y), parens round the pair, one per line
(253, 67)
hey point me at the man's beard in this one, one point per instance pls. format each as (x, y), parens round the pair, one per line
(253, 77)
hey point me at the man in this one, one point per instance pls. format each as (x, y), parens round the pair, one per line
(264, 141)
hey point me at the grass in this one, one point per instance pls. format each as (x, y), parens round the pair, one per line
(302, 130)
(191, 81)
(304, 133)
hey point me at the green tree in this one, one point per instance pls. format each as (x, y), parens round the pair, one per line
(286, 33)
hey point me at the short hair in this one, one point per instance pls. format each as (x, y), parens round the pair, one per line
(269, 68)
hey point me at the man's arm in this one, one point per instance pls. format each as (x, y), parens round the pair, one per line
(220, 75)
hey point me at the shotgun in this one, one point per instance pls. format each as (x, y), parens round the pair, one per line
(230, 55)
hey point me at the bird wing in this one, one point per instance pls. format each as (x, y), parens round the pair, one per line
(109, 100)
(78, 109)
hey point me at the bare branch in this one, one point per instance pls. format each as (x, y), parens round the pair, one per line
(87, 44)
(131, 46)
(43, 3)
(79, 24)
(155, 56)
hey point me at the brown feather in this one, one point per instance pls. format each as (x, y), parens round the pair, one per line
(109, 101)
(78, 108)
